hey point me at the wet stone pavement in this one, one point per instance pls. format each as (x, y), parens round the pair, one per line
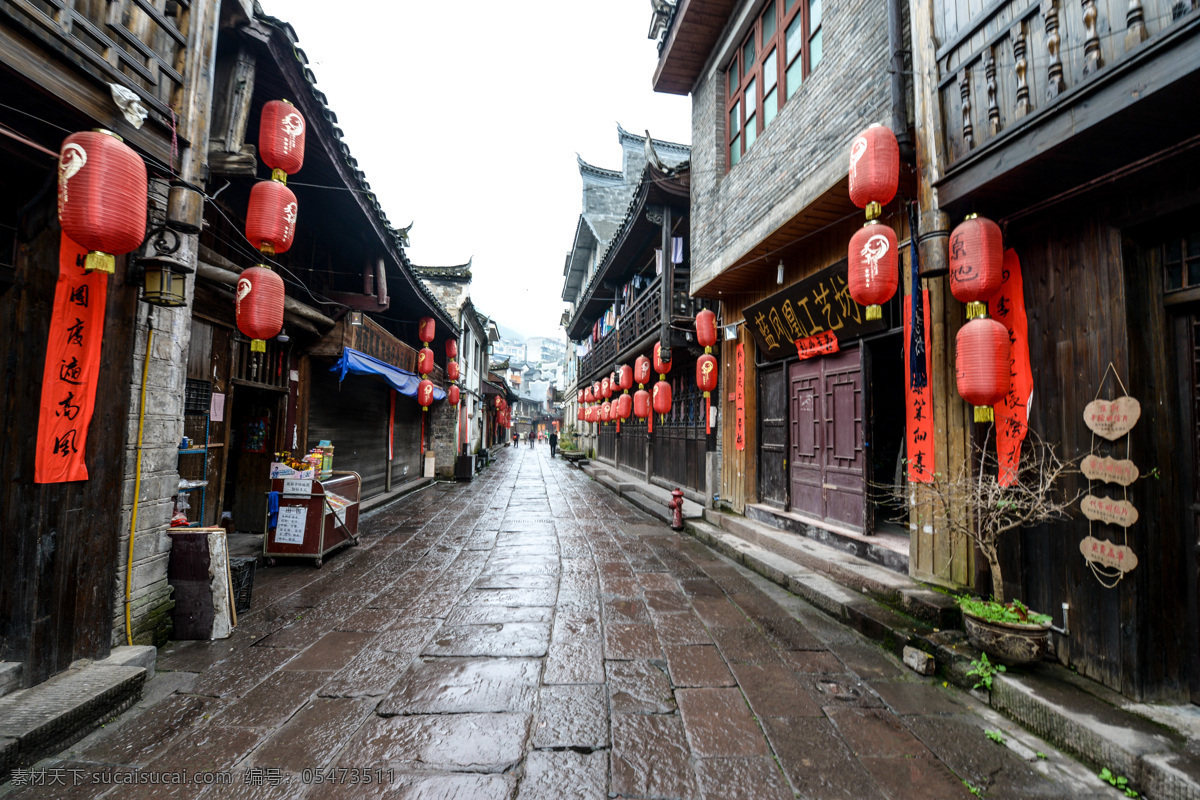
(529, 635)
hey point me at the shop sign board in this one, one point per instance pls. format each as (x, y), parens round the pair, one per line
(821, 344)
(1109, 469)
(1108, 555)
(1112, 419)
(819, 304)
(1108, 510)
(289, 529)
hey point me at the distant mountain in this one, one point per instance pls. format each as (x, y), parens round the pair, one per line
(510, 334)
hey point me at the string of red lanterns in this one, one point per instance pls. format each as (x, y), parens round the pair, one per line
(706, 365)
(872, 272)
(981, 358)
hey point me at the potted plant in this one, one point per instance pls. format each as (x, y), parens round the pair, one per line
(975, 504)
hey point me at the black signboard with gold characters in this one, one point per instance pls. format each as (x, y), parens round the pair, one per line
(819, 304)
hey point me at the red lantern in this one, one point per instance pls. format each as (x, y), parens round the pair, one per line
(591, 414)
(452, 348)
(579, 414)
(271, 217)
(662, 397)
(641, 371)
(587, 395)
(706, 380)
(453, 394)
(281, 137)
(425, 394)
(625, 378)
(426, 329)
(660, 366)
(641, 404)
(706, 329)
(976, 263)
(259, 306)
(606, 411)
(605, 388)
(424, 361)
(451, 370)
(102, 188)
(874, 169)
(596, 395)
(624, 406)
(981, 363)
(872, 271)
(499, 402)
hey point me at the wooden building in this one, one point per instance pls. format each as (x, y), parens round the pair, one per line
(1068, 124)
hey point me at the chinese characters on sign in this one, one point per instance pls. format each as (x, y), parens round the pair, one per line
(918, 405)
(72, 368)
(820, 345)
(1012, 413)
(818, 305)
(1113, 556)
(739, 399)
(1109, 469)
(1112, 419)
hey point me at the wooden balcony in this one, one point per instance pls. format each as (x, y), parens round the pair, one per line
(1045, 89)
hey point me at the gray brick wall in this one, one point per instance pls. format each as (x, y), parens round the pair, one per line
(801, 154)
(443, 418)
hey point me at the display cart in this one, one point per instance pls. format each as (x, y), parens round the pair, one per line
(314, 517)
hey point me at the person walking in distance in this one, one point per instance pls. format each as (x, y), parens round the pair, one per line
(532, 438)
(553, 443)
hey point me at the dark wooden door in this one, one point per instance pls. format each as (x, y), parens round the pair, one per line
(828, 468)
(773, 436)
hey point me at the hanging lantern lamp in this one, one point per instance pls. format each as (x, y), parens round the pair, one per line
(425, 394)
(164, 281)
(624, 406)
(706, 381)
(641, 371)
(453, 394)
(706, 329)
(872, 271)
(605, 388)
(606, 411)
(874, 169)
(424, 361)
(281, 131)
(981, 362)
(660, 366)
(102, 185)
(426, 329)
(452, 348)
(625, 378)
(976, 263)
(452, 371)
(259, 306)
(271, 217)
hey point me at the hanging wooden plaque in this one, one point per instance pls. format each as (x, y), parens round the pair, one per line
(1112, 419)
(1109, 469)
(1108, 555)
(1109, 511)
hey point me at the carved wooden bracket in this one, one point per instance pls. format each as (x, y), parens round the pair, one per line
(1022, 64)
(964, 91)
(1091, 40)
(993, 110)
(1054, 74)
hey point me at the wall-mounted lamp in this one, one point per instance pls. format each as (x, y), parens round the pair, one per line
(283, 338)
(356, 318)
(730, 332)
(163, 274)
(779, 273)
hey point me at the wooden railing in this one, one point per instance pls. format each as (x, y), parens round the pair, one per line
(140, 44)
(1018, 57)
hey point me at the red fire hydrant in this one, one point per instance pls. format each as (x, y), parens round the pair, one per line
(676, 506)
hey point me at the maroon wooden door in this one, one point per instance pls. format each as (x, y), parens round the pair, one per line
(828, 478)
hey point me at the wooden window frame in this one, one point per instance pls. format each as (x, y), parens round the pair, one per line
(739, 76)
(1184, 263)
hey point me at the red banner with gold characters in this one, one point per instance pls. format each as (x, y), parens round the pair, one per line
(739, 399)
(72, 368)
(918, 405)
(822, 344)
(1012, 413)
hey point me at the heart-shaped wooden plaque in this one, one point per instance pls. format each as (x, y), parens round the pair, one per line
(1112, 419)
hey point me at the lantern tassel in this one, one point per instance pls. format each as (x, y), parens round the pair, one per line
(258, 345)
(984, 414)
(100, 262)
(707, 413)
(976, 309)
(874, 312)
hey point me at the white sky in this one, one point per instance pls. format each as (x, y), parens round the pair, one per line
(466, 118)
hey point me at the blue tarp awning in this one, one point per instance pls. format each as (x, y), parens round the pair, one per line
(403, 381)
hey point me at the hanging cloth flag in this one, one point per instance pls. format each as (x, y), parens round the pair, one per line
(916, 343)
(918, 402)
(1012, 413)
(676, 249)
(72, 368)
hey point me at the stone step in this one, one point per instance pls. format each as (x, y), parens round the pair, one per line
(46, 718)
(850, 571)
(10, 676)
(884, 548)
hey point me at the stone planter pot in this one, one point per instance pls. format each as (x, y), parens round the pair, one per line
(1008, 642)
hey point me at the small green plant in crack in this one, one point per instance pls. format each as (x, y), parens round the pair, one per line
(972, 788)
(995, 736)
(1041, 755)
(984, 670)
(1119, 781)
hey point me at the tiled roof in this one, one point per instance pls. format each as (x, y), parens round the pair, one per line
(458, 271)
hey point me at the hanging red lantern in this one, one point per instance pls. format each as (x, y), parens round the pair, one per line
(453, 394)
(981, 363)
(271, 217)
(590, 414)
(874, 169)
(706, 381)
(662, 397)
(451, 370)
(606, 411)
(425, 394)
(641, 404)
(872, 271)
(706, 329)
(976, 263)
(452, 348)
(499, 402)
(424, 361)
(579, 414)
(625, 377)
(426, 329)
(259, 306)
(641, 371)
(624, 406)
(102, 187)
(605, 388)
(281, 132)
(587, 395)
(660, 366)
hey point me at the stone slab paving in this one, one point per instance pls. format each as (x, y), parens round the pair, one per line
(528, 635)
